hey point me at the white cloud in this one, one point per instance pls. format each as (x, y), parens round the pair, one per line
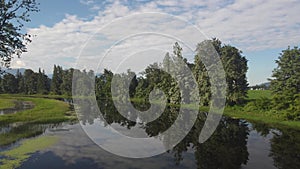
(249, 25)
(87, 2)
(17, 63)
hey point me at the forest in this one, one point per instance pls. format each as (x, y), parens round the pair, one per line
(284, 100)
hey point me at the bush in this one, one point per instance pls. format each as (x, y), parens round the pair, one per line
(293, 113)
(261, 104)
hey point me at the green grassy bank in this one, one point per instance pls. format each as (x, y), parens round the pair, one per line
(15, 157)
(269, 117)
(6, 103)
(44, 111)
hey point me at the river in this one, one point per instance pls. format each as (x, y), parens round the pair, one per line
(235, 144)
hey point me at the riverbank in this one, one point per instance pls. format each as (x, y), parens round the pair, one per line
(49, 110)
(271, 118)
(6, 103)
(44, 111)
(15, 157)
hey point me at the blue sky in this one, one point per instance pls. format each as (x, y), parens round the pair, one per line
(261, 29)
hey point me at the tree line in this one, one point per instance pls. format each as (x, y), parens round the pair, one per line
(285, 81)
(154, 76)
(141, 85)
(31, 82)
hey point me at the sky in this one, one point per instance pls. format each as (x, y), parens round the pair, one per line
(65, 31)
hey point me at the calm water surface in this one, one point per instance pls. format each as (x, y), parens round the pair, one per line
(235, 144)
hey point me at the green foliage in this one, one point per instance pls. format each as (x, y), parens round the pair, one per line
(20, 82)
(156, 76)
(261, 104)
(235, 67)
(202, 78)
(57, 80)
(285, 84)
(257, 94)
(66, 85)
(8, 83)
(30, 82)
(1, 90)
(13, 40)
(293, 113)
(103, 85)
(38, 82)
(43, 85)
(6, 103)
(17, 156)
(44, 111)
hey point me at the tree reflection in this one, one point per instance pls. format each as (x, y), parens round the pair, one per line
(285, 149)
(227, 148)
(12, 133)
(262, 128)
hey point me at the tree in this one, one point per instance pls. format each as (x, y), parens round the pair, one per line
(30, 82)
(57, 80)
(13, 40)
(202, 78)
(235, 67)
(9, 83)
(42, 83)
(66, 85)
(103, 85)
(1, 91)
(285, 148)
(285, 84)
(133, 83)
(19, 82)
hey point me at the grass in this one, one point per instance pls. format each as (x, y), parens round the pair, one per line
(6, 103)
(257, 94)
(49, 111)
(15, 157)
(271, 118)
(45, 111)
(20, 131)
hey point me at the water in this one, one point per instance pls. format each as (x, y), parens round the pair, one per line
(235, 144)
(19, 106)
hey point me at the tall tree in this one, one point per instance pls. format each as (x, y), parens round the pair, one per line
(285, 84)
(42, 83)
(19, 82)
(57, 80)
(66, 85)
(13, 39)
(133, 82)
(202, 78)
(103, 85)
(9, 83)
(30, 82)
(1, 90)
(235, 67)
